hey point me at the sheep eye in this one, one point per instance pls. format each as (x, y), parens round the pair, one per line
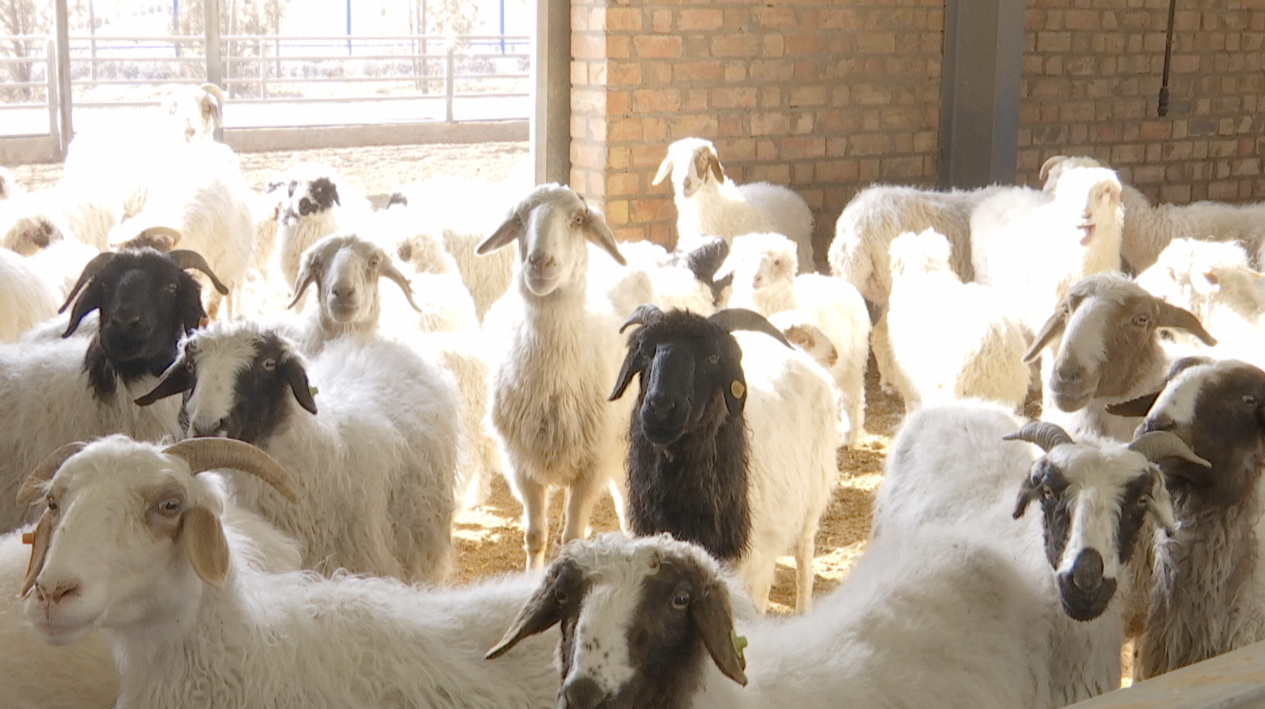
(1067, 309)
(681, 600)
(1142, 320)
(713, 359)
(170, 506)
(269, 364)
(560, 597)
(1046, 492)
(1250, 400)
(52, 503)
(172, 288)
(373, 262)
(1143, 500)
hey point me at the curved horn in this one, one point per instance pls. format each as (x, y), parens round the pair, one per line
(1048, 165)
(389, 270)
(1043, 433)
(215, 91)
(149, 237)
(45, 470)
(187, 259)
(1157, 445)
(204, 454)
(643, 315)
(97, 263)
(742, 319)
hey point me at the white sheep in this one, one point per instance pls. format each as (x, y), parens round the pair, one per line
(376, 461)
(346, 270)
(193, 112)
(26, 298)
(191, 622)
(947, 339)
(1149, 229)
(314, 208)
(558, 349)
(1214, 282)
(880, 213)
(710, 204)
(82, 675)
(1031, 247)
(675, 285)
(443, 302)
(55, 391)
(9, 187)
(764, 280)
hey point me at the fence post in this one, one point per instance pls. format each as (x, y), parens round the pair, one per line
(263, 71)
(64, 102)
(214, 68)
(449, 81)
(50, 75)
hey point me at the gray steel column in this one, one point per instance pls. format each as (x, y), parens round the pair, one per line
(211, 25)
(63, 74)
(551, 92)
(979, 98)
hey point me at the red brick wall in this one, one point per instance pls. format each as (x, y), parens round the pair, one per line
(1092, 73)
(824, 96)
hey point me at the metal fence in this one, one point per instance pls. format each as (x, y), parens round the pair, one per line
(256, 70)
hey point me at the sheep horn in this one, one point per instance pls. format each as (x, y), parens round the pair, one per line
(215, 91)
(185, 259)
(645, 314)
(97, 263)
(1043, 433)
(389, 270)
(1165, 444)
(742, 319)
(45, 470)
(1047, 165)
(204, 454)
(149, 237)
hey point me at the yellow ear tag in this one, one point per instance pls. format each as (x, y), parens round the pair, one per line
(737, 389)
(313, 391)
(740, 643)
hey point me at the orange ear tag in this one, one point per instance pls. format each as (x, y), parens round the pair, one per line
(737, 389)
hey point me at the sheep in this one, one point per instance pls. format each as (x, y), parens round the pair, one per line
(193, 111)
(1214, 282)
(1031, 253)
(880, 213)
(1105, 348)
(800, 331)
(346, 270)
(693, 472)
(1149, 229)
(762, 267)
(82, 675)
(375, 461)
(63, 390)
(26, 299)
(938, 617)
(446, 305)
(948, 465)
(314, 209)
(9, 187)
(947, 339)
(675, 283)
(557, 348)
(709, 204)
(140, 536)
(1207, 593)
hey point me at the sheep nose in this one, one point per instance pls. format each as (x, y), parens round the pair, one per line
(1070, 374)
(125, 320)
(57, 593)
(1087, 571)
(582, 693)
(541, 261)
(344, 291)
(663, 404)
(1159, 423)
(204, 430)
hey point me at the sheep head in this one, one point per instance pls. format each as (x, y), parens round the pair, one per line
(32, 226)
(1094, 500)
(130, 531)
(346, 269)
(688, 364)
(1191, 273)
(1094, 193)
(639, 617)
(1104, 337)
(552, 226)
(1053, 167)
(1217, 408)
(313, 190)
(194, 111)
(693, 163)
(760, 263)
(241, 379)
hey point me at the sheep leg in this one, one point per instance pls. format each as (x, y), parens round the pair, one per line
(580, 497)
(804, 552)
(758, 572)
(535, 521)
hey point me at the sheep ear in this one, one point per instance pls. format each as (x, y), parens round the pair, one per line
(1051, 329)
(1134, 407)
(1160, 506)
(632, 365)
(388, 270)
(510, 230)
(296, 376)
(178, 378)
(1173, 316)
(205, 545)
(665, 168)
(596, 231)
(89, 300)
(542, 611)
(40, 539)
(309, 271)
(711, 616)
(1028, 492)
(713, 163)
(211, 107)
(735, 391)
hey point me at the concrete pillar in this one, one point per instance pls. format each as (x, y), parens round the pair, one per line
(551, 92)
(214, 65)
(979, 110)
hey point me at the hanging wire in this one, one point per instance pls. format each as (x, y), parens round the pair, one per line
(1168, 59)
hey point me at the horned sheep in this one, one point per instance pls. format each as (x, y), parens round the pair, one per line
(709, 203)
(731, 444)
(134, 540)
(376, 460)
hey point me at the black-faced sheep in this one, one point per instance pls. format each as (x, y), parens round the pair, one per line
(732, 441)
